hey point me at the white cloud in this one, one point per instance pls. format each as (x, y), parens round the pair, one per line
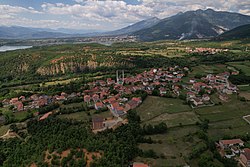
(7, 9)
(108, 14)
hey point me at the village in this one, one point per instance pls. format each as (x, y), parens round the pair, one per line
(205, 50)
(126, 93)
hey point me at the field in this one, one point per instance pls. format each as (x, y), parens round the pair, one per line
(83, 116)
(153, 107)
(174, 148)
(208, 69)
(243, 66)
(19, 116)
(178, 142)
(246, 95)
(226, 119)
(177, 119)
(4, 129)
(56, 82)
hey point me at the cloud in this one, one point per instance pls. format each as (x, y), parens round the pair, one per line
(109, 14)
(101, 10)
(10, 10)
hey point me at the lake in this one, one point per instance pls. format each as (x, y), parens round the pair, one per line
(9, 48)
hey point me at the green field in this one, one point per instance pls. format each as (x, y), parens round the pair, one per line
(153, 107)
(226, 119)
(18, 116)
(83, 116)
(243, 66)
(177, 119)
(4, 129)
(208, 69)
(56, 82)
(175, 147)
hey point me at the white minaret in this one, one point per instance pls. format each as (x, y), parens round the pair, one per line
(120, 77)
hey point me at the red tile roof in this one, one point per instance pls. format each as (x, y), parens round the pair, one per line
(45, 116)
(136, 164)
(233, 141)
(247, 153)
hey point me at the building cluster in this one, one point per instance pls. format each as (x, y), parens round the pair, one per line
(205, 50)
(36, 101)
(125, 93)
(235, 148)
(101, 96)
(199, 90)
(108, 39)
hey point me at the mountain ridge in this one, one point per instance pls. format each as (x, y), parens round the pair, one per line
(193, 25)
(196, 24)
(240, 32)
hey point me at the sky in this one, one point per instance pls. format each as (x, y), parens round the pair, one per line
(102, 15)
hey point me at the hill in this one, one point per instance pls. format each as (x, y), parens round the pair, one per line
(135, 27)
(237, 33)
(16, 32)
(193, 25)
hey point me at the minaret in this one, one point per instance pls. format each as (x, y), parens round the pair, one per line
(120, 77)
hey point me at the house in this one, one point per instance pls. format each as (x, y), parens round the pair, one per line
(205, 97)
(95, 97)
(197, 101)
(139, 164)
(64, 94)
(34, 97)
(133, 103)
(110, 81)
(191, 95)
(228, 143)
(119, 110)
(163, 91)
(99, 105)
(245, 158)
(45, 116)
(42, 102)
(97, 123)
(22, 98)
(235, 73)
(61, 98)
(19, 106)
(6, 102)
(13, 100)
(87, 98)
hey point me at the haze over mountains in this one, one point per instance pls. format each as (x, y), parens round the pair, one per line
(189, 25)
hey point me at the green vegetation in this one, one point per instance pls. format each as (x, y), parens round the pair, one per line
(85, 116)
(155, 106)
(165, 131)
(3, 129)
(244, 66)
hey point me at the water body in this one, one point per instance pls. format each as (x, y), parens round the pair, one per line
(9, 48)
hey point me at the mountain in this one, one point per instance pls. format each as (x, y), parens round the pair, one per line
(134, 27)
(237, 33)
(193, 25)
(16, 32)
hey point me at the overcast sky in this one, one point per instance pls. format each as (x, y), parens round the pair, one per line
(102, 14)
